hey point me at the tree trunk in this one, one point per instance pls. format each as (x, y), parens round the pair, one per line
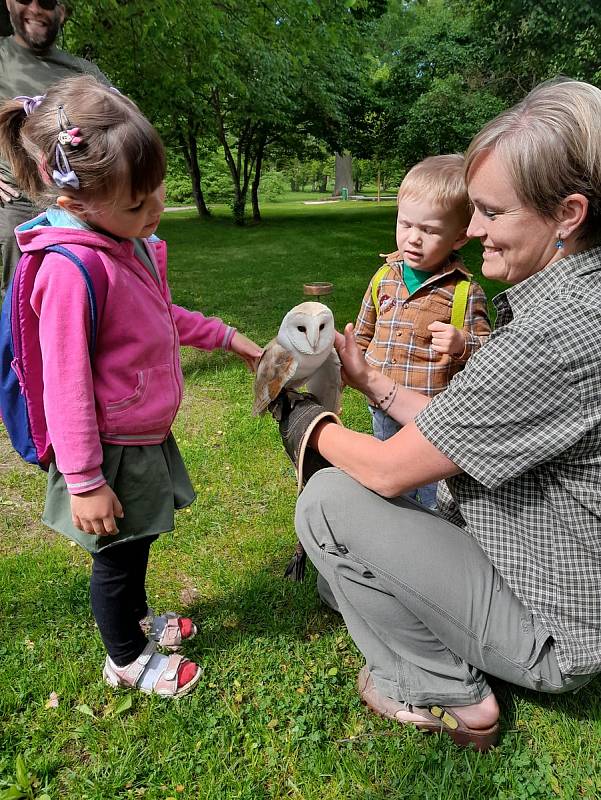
(257, 179)
(344, 172)
(323, 186)
(238, 208)
(190, 150)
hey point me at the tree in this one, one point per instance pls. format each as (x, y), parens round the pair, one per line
(243, 73)
(530, 42)
(153, 54)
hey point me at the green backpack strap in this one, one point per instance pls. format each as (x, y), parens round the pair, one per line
(462, 290)
(375, 284)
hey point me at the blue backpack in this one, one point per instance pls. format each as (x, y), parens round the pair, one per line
(21, 378)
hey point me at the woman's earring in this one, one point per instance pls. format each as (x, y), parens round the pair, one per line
(559, 242)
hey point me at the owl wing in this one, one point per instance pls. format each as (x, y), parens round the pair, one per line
(276, 367)
(326, 383)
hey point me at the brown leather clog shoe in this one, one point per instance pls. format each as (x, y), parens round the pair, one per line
(437, 719)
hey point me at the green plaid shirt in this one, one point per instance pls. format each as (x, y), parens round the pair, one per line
(523, 422)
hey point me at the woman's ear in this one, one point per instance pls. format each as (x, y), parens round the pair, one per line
(572, 213)
(71, 205)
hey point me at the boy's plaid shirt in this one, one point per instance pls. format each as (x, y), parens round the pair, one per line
(397, 341)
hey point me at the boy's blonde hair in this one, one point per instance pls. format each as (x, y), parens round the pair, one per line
(550, 145)
(441, 180)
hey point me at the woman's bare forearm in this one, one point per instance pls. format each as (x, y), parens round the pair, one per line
(399, 403)
(390, 468)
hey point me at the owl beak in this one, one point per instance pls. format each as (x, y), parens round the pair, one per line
(313, 339)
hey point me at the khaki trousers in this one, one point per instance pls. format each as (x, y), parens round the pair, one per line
(420, 598)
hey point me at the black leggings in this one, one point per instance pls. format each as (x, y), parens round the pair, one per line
(118, 597)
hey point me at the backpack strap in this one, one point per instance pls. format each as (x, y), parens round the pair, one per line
(92, 303)
(375, 285)
(462, 290)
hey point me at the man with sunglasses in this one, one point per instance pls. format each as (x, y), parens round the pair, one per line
(29, 63)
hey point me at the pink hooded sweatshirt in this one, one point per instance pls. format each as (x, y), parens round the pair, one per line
(131, 391)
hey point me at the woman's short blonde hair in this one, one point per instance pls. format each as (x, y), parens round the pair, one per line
(551, 146)
(441, 180)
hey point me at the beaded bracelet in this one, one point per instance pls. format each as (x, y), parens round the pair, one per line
(388, 398)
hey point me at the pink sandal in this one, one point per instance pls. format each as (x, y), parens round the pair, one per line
(174, 632)
(167, 681)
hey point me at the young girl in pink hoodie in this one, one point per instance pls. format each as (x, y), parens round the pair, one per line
(117, 477)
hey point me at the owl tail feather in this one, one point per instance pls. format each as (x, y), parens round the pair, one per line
(296, 568)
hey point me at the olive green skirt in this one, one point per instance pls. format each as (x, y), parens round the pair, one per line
(150, 481)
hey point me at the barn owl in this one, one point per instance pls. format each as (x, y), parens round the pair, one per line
(302, 353)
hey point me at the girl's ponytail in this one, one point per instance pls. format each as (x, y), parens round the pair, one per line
(23, 166)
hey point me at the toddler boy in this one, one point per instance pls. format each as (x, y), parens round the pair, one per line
(422, 315)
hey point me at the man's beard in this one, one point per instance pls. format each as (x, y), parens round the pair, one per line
(41, 41)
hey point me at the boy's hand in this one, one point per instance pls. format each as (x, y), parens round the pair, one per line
(95, 511)
(447, 338)
(248, 351)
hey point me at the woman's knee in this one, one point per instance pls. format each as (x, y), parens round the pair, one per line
(326, 490)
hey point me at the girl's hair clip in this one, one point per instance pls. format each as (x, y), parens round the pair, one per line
(71, 136)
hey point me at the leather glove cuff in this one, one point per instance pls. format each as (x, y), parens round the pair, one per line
(298, 420)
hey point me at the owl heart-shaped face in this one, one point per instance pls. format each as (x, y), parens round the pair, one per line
(308, 328)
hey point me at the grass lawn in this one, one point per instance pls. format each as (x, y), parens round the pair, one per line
(276, 715)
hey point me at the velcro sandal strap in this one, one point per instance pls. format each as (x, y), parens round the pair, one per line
(166, 684)
(171, 635)
(173, 664)
(134, 671)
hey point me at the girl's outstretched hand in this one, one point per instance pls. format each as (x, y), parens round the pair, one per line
(248, 351)
(355, 370)
(95, 511)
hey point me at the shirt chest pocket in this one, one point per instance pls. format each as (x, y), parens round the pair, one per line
(429, 312)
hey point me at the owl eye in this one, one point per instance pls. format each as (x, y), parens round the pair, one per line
(302, 329)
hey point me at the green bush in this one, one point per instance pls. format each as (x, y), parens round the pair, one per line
(178, 190)
(273, 185)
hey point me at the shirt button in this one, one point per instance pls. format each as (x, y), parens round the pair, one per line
(399, 333)
(393, 361)
(405, 305)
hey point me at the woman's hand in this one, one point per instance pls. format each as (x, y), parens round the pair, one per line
(247, 350)
(447, 339)
(355, 370)
(95, 511)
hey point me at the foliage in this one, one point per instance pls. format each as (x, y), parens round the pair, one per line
(273, 185)
(243, 74)
(530, 42)
(24, 785)
(445, 118)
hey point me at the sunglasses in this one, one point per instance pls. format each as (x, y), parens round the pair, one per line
(47, 5)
